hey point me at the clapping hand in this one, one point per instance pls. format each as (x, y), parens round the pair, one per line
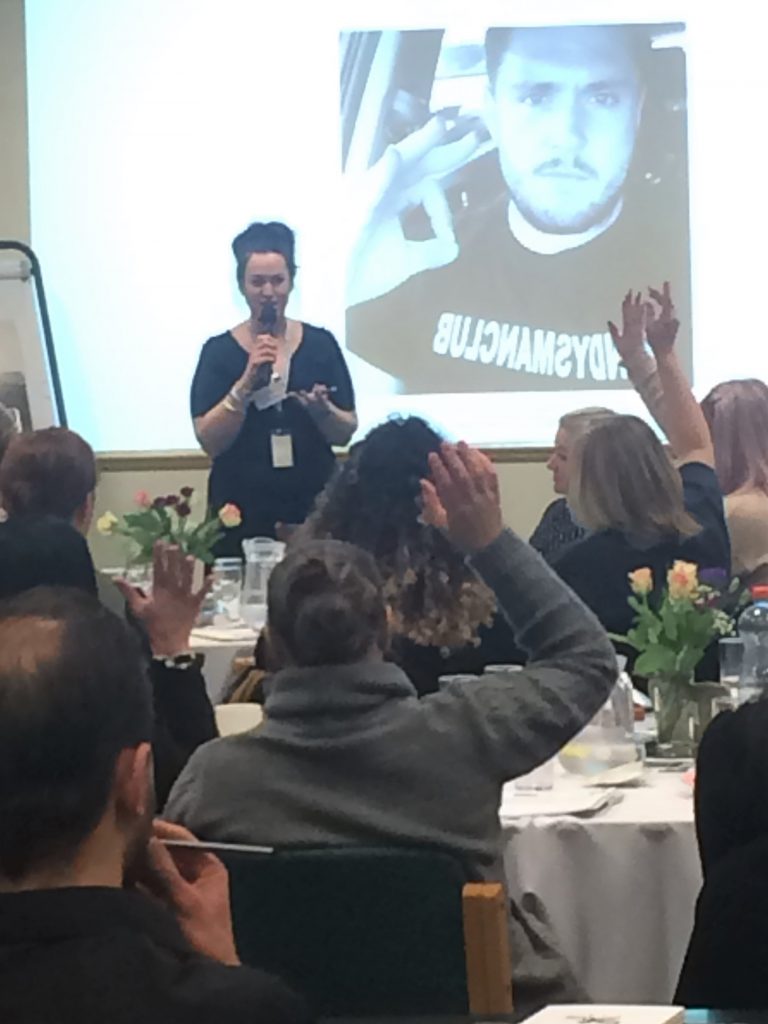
(462, 497)
(631, 339)
(194, 885)
(661, 325)
(171, 610)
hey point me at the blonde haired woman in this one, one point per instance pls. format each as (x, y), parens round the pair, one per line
(557, 528)
(638, 508)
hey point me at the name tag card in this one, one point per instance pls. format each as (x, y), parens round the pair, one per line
(282, 450)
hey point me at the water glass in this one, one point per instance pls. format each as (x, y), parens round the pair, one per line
(262, 554)
(731, 652)
(227, 584)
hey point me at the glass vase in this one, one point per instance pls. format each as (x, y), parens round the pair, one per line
(683, 711)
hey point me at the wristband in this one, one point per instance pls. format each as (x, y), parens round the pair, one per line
(233, 402)
(181, 662)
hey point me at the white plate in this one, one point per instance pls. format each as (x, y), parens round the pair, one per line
(630, 774)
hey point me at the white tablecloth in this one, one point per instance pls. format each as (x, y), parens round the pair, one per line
(620, 888)
(221, 646)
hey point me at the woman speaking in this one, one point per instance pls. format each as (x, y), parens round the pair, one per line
(270, 397)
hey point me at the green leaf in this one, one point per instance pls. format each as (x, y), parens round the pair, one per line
(655, 661)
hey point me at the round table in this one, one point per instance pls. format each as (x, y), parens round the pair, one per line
(620, 887)
(221, 645)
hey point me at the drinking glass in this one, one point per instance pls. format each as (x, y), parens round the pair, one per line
(227, 584)
(262, 554)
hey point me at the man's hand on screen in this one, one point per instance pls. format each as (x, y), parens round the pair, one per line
(409, 174)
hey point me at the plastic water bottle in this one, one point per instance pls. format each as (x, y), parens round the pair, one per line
(753, 630)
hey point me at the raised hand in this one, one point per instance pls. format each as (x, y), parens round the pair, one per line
(194, 885)
(661, 323)
(171, 610)
(462, 497)
(631, 338)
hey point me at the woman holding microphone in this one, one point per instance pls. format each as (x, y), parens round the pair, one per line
(270, 397)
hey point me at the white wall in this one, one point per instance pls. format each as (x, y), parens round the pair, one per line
(525, 485)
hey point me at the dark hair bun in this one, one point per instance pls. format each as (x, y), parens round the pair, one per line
(325, 604)
(332, 630)
(272, 236)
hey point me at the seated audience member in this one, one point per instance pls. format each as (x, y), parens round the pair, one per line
(51, 473)
(638, 508)
(725, 962)
(348, 754)
(443, 617)
(732, 783)
(43, 552)
(48, 478)
(736, 413)
(76, 944)
(557, 528)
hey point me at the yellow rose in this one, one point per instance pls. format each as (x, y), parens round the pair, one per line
(683, 581)
(641, 581)
(106, 524)
(230, 516)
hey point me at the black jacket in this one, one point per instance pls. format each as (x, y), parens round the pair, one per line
(725, 966)
(97, 955)
(732, 783)
(47, 552)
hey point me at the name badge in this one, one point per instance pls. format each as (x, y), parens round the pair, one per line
(282, 449)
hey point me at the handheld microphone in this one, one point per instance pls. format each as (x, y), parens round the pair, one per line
(267, 322)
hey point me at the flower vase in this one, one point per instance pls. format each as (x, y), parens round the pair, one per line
(683, 711)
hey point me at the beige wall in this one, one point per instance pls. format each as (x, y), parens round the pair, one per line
(525, 489)
(525, 486)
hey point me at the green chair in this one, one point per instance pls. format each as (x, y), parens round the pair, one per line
(358, 931)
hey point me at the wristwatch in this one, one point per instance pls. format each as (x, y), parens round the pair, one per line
(181, 662)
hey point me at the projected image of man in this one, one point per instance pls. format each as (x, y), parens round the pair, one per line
(564, 108)
(534, 212)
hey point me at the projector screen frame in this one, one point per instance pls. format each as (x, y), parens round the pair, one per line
(49, 349)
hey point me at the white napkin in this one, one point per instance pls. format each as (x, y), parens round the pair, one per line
(554, 803)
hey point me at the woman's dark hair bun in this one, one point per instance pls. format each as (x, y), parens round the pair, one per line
(325, 604)
(332, 630)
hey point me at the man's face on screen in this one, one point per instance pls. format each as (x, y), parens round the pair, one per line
(564, 111)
